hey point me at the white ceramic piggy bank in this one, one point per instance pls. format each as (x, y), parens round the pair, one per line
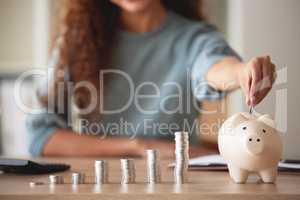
(250, 144)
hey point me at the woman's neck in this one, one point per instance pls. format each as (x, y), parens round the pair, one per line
(146, 21)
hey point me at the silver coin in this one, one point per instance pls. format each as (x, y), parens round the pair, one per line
(33, 183)
(101, 172)
(127, 171)
(78, 178)
(56, 179)
(153, 166)
(181, 157)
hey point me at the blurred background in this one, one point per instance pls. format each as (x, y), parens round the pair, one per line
(252, 27)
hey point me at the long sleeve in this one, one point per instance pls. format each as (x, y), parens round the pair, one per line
(212, 48)
(40, 127)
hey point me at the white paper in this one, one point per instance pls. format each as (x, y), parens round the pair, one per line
(217, 159)
(207, 160)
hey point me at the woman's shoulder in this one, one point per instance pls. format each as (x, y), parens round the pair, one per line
(181, 23)
(190, 33)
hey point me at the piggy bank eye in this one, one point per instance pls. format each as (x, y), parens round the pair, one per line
(264, 130)
(244, 128)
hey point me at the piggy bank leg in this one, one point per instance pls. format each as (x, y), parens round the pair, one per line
(237, 174)
(269, 175)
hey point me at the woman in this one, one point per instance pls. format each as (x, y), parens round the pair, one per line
(147, 64)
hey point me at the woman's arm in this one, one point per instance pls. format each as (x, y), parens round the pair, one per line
(65, 143)
(255, 77)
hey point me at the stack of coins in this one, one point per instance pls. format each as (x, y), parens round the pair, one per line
(128, 171)
(153, 166)
(78, 178)
(101, 171)
(55, 179)
(181, 157)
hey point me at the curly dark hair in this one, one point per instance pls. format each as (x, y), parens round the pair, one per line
(87, 34)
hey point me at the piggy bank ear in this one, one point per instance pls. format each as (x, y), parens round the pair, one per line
(267, 119)
(238, 119)
(232, 122)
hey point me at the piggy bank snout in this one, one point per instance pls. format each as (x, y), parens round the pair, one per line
(254, 144)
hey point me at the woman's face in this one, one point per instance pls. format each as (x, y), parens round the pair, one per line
(134, 6)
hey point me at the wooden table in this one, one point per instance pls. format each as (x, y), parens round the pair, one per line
(202, 185)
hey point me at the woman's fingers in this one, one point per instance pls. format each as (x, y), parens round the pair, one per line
(245, 83)
(248, 87)
(263, 75)
(266, 82)
(257, 75)
(256, 79)
(274, 74)
(268, 72)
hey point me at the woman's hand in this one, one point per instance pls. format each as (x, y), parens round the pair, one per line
(256, 79)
